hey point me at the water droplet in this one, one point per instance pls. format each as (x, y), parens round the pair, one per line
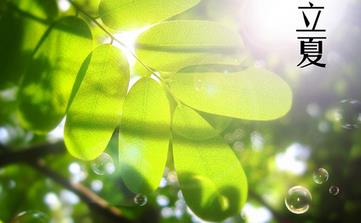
(140, 199)
(298, 199)
(31, 217)
(320, 176)
(334, 190)
(349, 114)
(103, 164)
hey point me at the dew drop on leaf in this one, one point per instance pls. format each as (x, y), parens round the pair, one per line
(140, 199)
(334, 190)
(298, 199)
(103, 165)
(31, 217)
(320, 176)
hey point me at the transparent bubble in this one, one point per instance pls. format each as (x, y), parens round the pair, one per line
(349, 114)
(334, 190)
(31, 217)
(320, 176)
(298, 199)
(140, 199)
(103, 164)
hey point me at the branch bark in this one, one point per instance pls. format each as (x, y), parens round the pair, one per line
(33, 157)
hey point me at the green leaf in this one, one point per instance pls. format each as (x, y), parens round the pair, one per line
(129, 14)
(90, 6)
(47, 84)
(211, 177)
(21, 36)
(189, 124)
(220, 123)
(96, 108)
(170, 46)
(42, 9)
(253, 93)
(144, 136)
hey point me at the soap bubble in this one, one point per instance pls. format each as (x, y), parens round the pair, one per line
(349, 114)
(334, 190)
(103, 164)
(298, 200)
(320, 176)
(140, 199)
(31, 217)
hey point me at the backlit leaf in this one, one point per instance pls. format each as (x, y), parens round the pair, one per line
(189, 124)
(46, 87)
(95, 110)
(21, 36)
(144, 136)
(172, 45)
(128, 14)
(211, 177)
(253, 94)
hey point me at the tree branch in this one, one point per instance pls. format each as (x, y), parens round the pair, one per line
(33, 157)
(27, 14)
(94, 201)
(7, 156)
(112, 37)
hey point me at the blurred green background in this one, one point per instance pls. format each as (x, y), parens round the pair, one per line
(323, 129)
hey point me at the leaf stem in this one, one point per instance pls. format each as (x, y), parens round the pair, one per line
(113, 38)
(28, 15)
(34, 158)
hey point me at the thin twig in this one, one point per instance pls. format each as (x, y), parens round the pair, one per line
(94, 201)
(30, 154)
(27, 14)
(33, 157)
(93, 19)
